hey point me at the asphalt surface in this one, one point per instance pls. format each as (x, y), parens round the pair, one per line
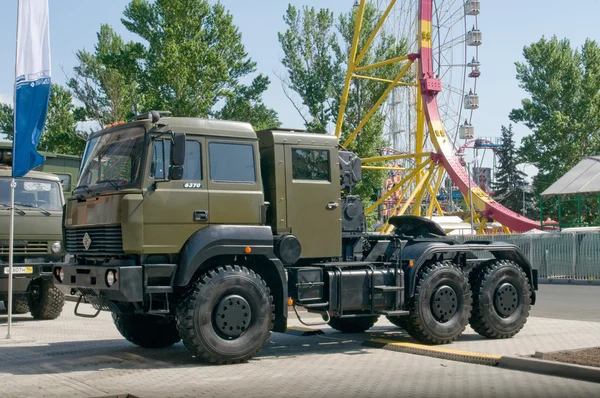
(74, 357)
(572, 302)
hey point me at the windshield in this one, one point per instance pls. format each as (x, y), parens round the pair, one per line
(30, 192)
(112, 160)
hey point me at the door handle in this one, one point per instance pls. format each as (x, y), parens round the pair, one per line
(332, 205)
(200, 215)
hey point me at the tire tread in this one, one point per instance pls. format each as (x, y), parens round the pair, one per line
(185, 315)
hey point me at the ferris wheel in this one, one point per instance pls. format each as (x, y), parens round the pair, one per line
(430, 107)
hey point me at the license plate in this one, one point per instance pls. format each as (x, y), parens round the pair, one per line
(19, 270)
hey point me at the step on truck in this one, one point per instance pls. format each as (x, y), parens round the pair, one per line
(37, 241)
(205, 230)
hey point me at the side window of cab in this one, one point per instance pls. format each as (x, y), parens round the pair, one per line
(231, 162)
(161, 160)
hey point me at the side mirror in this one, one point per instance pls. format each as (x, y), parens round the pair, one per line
(178, 149)
(175, 173)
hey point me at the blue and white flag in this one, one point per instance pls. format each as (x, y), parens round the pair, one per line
(32, 90)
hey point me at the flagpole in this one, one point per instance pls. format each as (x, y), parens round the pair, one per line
(10, 255)
(13, 184)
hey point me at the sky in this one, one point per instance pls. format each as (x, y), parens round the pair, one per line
(507, 26)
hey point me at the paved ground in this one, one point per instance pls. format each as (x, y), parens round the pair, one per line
(73, 357)
(568, 302)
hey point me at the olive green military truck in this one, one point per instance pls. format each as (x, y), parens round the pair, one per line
(205, 230)
(37, 242)
(65, 167)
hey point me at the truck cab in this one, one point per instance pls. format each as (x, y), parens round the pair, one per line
(37, 242)
(206, 231)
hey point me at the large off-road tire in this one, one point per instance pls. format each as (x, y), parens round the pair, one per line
(352, 325)
(148, 331)
(501, 299)
(226, 316)
(45, 300)
(20, 305)
(441, 306)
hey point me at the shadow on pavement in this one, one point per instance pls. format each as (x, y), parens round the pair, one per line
(98, 355)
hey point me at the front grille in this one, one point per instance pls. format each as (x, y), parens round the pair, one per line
(25, 247)
(104, 240)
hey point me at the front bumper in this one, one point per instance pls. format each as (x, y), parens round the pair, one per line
(91, 281)
(23, 273)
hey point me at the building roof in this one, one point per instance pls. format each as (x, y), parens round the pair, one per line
(583, 178)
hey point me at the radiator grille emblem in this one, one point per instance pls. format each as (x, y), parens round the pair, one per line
(87, 241)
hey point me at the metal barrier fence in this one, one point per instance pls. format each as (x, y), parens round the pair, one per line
(555, 255)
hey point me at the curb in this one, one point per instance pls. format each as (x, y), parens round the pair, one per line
(436, 352)
(551, 368)
(524, 364)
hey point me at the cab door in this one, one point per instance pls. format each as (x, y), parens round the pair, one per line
(234, 181)
(174, 210)
(313, 199)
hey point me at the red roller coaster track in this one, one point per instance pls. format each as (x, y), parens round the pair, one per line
(430, 86)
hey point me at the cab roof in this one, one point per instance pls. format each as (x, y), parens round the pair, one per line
(6, 172)
(200, 126)
(295, 137)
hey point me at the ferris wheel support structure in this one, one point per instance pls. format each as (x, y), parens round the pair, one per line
(426, 177)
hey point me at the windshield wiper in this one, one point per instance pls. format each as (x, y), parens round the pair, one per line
(44, 211)
(86, 187)
(21, 212)
(112, 182)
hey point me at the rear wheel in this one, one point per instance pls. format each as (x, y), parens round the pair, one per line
(440, 308)
(148, 331)
(501, 299)
(20, 305)
(227, 315)
(352, 325)
(45, 300)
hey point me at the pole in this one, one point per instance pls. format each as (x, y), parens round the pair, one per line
(523, 201)
(13, 184)
(10, 255)
(470, 196)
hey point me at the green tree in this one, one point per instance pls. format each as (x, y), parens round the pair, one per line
(189, 60)
(106, 81)
(6, 120)
(60, 129)
(563, 110)
(312, 58)
(245, 104)
(509, 180)
(316, 66)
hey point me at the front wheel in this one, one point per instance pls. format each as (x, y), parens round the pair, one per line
(45, 300)
(227, 315)
(20, 305)
(501, 299)
(440, 308)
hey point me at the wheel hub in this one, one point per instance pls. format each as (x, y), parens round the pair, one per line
(232, 316)
(444, 303)
(506, 299)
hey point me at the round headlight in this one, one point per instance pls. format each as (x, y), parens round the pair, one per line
(56, 247)
(111, 277)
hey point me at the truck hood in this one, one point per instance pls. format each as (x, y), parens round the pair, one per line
(33, 225)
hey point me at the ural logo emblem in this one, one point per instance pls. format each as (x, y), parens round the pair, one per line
(87, 241)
